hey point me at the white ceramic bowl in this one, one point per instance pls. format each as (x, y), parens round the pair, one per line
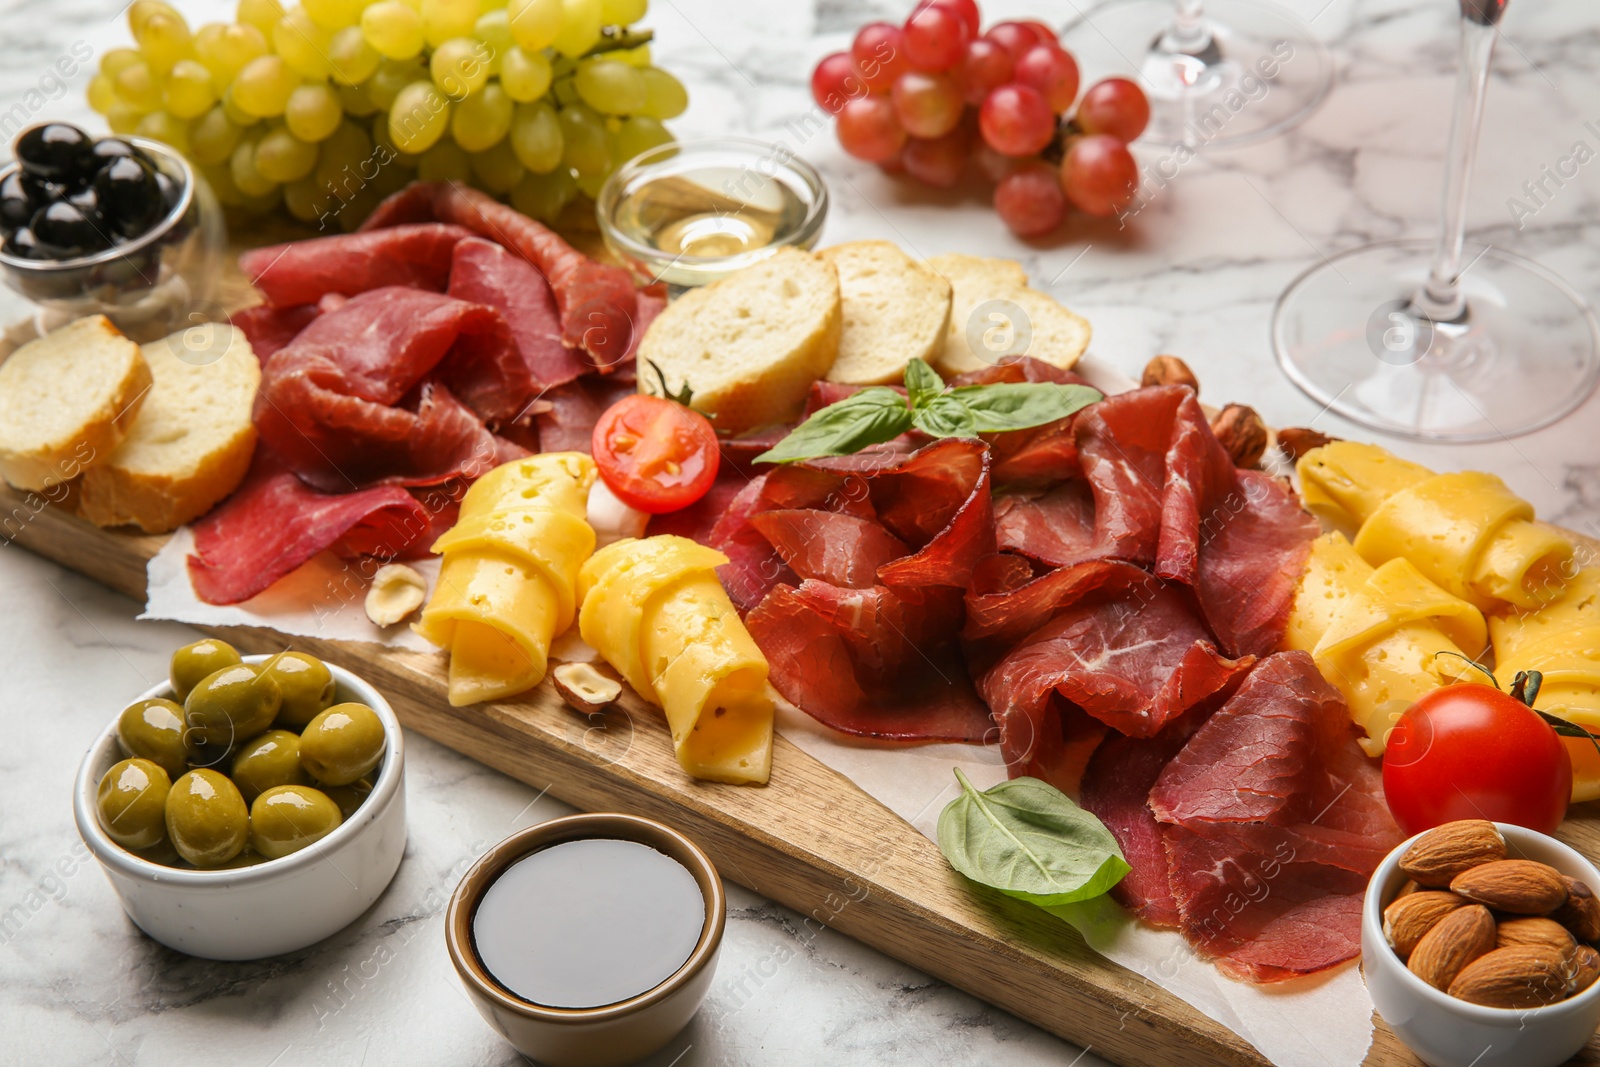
(1446, 1032)
(273, 907)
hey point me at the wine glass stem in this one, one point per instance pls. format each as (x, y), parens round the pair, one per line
(1440, 299)
(1187, 33)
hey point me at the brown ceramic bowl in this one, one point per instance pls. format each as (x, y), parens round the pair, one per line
(614, 1034)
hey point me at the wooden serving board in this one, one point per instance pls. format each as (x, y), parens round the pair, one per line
(811, 840)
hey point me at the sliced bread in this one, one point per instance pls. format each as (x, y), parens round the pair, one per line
(895, 310)
(192, 442)
(750, 345)
(66, 400)
(994, 314)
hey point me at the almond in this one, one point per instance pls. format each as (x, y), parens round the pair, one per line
(1407, 887)
(1436, 857)
(1534, 931)
(1583, 967)
(1455, 941)
(1521, 887)
(1169, 370)
(1522, 976)
(1411, 916)
(1581, 912)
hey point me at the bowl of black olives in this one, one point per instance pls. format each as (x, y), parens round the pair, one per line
(114, 226)
(248, 806)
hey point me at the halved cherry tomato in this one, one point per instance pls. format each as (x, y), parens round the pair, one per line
(655, 454)
(1469, 751)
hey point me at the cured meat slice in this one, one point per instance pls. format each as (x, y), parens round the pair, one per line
(1055, 527)
(647, 304)
(1116, 789)
(482, 272)
(597, 302)
(754, 566)
(568, 424)
(269, 328)
(1037, 457)
(868, 662)
(302, 272)
(831, 547)
(346, 406)
(273, 523)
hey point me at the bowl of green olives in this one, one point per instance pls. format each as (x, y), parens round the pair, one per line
(248, 806)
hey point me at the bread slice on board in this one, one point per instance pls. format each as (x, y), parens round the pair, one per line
(751, 344)
(192, 442)
(994, 314)
(66, 400)
(895, 310)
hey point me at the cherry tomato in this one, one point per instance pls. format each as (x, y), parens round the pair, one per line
(655, 454)
(1469, 751)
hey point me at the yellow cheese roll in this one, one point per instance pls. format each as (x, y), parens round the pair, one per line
(508, 582)
(1376, 633)
(655, 610)
(1465, 532)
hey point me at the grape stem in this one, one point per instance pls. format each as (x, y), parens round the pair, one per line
(617, 39)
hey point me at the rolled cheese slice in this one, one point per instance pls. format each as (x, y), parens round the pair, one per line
(508, 582)
(1376, 633)
(656, 611)
(1465, 531)
(1561, 641)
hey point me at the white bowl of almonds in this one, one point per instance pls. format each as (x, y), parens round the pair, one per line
(1478, 946)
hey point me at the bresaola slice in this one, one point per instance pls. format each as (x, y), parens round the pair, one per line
(273, 523)
(302, 272)
(482, 272)
(358, 399)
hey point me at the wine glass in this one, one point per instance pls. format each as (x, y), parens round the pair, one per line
(1462, 348)
(1217, 72)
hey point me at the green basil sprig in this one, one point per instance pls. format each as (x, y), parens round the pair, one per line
(878, 413)
(1028, 839)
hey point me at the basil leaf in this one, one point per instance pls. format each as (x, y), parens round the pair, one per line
(922, 383)
(944, 416)
(870, 417)
(1022, 405)
(1028, 839)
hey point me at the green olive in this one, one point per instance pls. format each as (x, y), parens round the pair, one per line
(153, 730)
(342, 744)
(268, 760)
(287, 818)
(348, 797)
(192, 663)
(247, 858)
(207, 818)
(133, 800)
(228, 708)
(306, 684)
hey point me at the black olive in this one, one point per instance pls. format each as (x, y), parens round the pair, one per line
(108, 148)
(24, 245)
(15, 207)
(88, 202)
(171, 191)
(41, 192)
(58, 152)
(129, 195)
(64, 230)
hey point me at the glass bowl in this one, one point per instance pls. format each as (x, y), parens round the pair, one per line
(692, 212)
(149, 286)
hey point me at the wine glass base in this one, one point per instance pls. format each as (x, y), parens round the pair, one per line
(1524, 353)
(1261, 70)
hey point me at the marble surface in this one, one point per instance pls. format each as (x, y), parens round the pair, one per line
(1195, 274)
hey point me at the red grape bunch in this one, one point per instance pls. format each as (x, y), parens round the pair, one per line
(924, 97)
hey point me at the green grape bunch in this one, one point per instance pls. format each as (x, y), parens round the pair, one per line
(327, 107)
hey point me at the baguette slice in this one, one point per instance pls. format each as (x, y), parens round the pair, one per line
(751, 344)
(66, 400)
(192, 442)
(976, 340)
(895, 310)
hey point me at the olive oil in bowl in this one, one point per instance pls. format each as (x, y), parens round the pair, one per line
(588, 922)
(692, 212)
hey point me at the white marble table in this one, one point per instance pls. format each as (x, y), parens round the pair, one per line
(1195, 275)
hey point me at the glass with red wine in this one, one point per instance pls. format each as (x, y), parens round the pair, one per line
(1433, 338)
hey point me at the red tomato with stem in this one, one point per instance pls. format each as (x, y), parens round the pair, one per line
(655, 454)
(1469, 751)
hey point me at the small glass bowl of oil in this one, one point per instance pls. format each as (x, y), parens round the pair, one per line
(692, 212)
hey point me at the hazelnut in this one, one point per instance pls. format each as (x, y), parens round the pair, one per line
(1169, 370)
(1296, 441)
(584, 688)
(396, 591)
(1242, 434)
